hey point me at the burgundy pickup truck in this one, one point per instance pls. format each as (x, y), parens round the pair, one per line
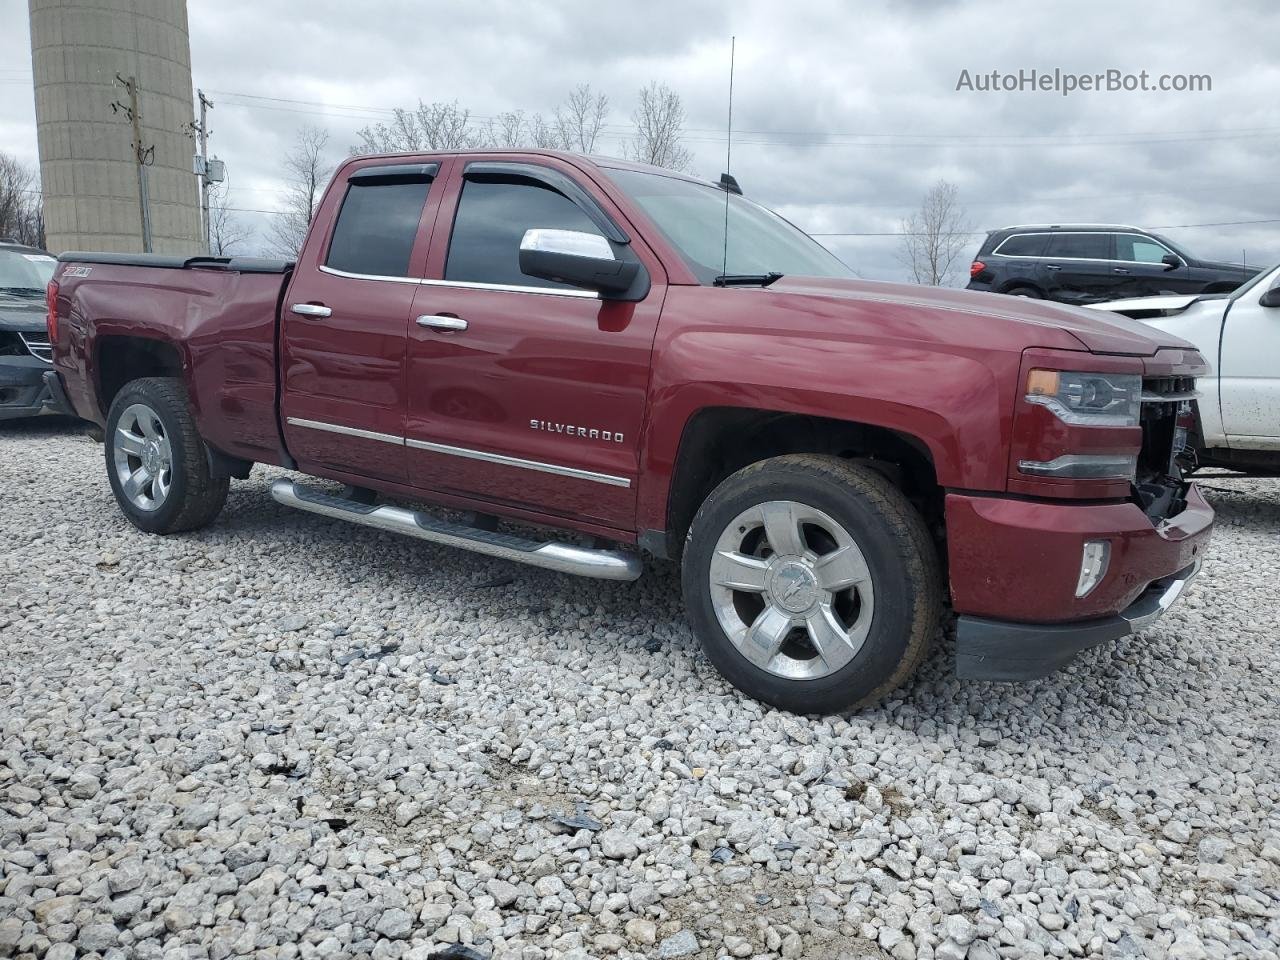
(570, 343)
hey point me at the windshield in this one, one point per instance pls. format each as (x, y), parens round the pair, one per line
(692, 217)
(25, 273)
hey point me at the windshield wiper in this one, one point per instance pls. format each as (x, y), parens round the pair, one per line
(746, 279)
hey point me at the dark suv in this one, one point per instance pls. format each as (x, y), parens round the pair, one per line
(25, 354)
(1089, 263)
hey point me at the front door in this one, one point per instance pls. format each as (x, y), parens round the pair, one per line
(1249, 372)
(343, 326)
(523, 392)
(1139, 261)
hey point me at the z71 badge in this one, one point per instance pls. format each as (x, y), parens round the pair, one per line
(570, 430)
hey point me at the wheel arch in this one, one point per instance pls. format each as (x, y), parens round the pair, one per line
(1019, 282)
(717, 441)
(119, 358)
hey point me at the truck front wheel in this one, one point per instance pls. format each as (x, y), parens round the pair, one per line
(156, 462)
(812, 583)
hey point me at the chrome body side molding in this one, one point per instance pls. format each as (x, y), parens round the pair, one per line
(507, 461)
(499, 458)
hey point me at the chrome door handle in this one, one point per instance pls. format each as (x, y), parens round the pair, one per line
(1052, 266)
(1119, 270)
(442, 323)
(311, 310)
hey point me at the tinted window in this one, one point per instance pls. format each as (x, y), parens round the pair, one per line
(1139, 249)
(1081, 246)
(492, 217)
(376, 227)
(1023, 245)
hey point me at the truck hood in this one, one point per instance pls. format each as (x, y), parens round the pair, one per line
(1159, 306)
(1038, 323)
(20, 315)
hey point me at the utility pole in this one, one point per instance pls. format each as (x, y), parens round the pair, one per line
(203, 130)
(142, 155)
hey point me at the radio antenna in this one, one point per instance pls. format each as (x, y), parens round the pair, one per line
(728, 158)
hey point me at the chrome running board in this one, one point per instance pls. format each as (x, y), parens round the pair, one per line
(561, 557)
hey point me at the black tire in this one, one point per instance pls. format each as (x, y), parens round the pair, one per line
(1030, 293)
(899, 554)
(193, 497)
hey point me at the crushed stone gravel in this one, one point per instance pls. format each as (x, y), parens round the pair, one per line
(283, 736)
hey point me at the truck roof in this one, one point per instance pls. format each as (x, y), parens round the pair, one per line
(596, 160)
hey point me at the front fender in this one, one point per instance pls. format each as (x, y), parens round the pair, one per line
(955, 401)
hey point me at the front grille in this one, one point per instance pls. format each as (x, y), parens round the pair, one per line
(1164, 400)
(38, 345)
(1168, 389)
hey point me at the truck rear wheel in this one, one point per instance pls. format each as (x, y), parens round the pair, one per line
(156, 462)
(812, 583)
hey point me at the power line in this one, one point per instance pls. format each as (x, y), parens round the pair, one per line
(816, 137)
(981, 233)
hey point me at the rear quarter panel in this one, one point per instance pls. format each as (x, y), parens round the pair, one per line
(222, 324)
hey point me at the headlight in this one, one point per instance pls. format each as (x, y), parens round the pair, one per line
(1088, 399)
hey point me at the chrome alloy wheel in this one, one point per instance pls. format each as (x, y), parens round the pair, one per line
(143, 457)
(791, 590)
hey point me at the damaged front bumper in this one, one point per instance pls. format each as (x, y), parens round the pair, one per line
(1002, 650)
(23, 390)
(1016, 575)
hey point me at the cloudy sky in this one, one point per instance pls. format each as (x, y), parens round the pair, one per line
(844, 115)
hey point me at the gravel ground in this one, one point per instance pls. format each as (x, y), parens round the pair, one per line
(288, 737)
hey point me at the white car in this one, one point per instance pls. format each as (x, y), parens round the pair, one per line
(1238, 333)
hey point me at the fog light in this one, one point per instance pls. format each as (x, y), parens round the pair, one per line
(1093, 566)
(1084, 466)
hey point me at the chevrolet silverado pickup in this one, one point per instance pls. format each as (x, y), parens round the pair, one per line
(638, 361)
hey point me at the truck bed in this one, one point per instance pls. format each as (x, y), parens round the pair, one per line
(216, 316)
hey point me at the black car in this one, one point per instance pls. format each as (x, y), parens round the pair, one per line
(1089, 263)
(25, 355)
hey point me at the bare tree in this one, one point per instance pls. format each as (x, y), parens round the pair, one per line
(227, 232)
(431, 126)
(306, 171)
(506, 130)
(935, 235)
(542, 134)
(659, 119)
(21, 208)
(580, 119)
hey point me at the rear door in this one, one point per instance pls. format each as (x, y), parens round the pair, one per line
(343, 322)
(1078, 268)
(1249, 372)
(1141, 270)
(1018, 258)
(523, 392)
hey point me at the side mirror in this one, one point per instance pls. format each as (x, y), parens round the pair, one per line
(580, 259)
(1271, 298)
(1171, 261)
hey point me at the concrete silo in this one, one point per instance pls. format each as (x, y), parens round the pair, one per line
(87, 163)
